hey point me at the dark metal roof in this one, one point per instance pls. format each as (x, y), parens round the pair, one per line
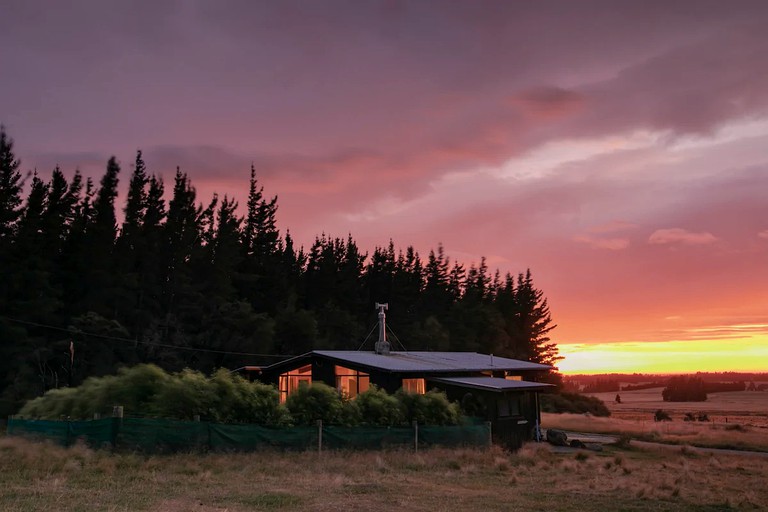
(429, 362)
(492, 383)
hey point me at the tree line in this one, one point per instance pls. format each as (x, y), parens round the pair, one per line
(185, 284)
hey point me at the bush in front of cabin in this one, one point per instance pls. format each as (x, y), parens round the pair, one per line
(432, 408)
(241, 401)
(148, 390)
(135, 388)
(377, 407)
(321, 402)
(185, 395)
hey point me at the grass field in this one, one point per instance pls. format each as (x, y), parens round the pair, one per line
(749, 408)
(41, 477)
(739, 420)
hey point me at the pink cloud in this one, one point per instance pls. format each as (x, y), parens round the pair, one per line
(613, 244)
(763, 234)
(682, 236)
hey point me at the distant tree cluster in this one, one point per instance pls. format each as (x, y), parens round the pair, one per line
(601, 386)
(575, 403)
(685, 388)
(188, 285)
(646, 385)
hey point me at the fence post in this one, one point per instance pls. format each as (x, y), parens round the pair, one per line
(319, 436)
(117, 421)
(490, 433)
(415, 435)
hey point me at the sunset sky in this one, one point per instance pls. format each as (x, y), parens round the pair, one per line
(617, 149)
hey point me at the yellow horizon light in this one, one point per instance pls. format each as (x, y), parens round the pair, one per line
(743, 354)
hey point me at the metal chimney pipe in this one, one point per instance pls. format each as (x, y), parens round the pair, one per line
(382, 346)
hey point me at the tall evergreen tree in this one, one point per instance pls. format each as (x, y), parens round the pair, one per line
(10, 187)
(100, 235)
(136, 202)
(531, 324)
(59, 211)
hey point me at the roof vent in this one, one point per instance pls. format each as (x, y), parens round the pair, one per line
(382, 346)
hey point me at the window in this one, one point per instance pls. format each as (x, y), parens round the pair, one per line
(416, 386)
(292, 380)
(513, 377)
(508, 406)
(351, 383)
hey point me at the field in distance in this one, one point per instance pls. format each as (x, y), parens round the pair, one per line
(738, 419)
(37, 476)
(745, 407)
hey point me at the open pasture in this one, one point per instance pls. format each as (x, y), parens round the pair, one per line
(748, 408)
(41, 477)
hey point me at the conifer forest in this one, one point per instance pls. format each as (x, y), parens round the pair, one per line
(90, 282)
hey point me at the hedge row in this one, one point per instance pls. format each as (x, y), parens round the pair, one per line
(228, 398)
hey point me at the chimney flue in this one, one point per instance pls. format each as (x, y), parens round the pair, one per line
(382, 346)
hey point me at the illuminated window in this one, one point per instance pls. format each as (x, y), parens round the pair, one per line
(416, 386)
(351, 383)
(292, 380)
(513, 377)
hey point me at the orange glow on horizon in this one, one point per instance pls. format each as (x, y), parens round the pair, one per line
(743, 354)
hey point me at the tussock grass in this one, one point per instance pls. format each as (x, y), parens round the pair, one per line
(39, 476)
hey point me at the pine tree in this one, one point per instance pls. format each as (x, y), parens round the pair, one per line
(136, 203)
(104, 226)
(100, 235)
(10, 188)
(530, 326)
(60, 209)
(30, 284)
(225, 250)
(437, 297)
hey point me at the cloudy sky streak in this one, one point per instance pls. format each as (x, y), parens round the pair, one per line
(615, 148)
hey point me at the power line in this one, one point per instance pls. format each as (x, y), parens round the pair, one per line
(140, 342)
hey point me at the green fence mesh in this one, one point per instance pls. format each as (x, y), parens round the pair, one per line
(370, 438)
(95, 433)
(163, 436)
(254, 437)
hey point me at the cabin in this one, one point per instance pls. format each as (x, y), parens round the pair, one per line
(500, 390)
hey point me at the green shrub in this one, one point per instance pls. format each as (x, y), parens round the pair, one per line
(432, 408)
(136, 387)
(55, 404)
(379, 408)
(241, 401)
(321, 402)
(148, 390)
(183, 396)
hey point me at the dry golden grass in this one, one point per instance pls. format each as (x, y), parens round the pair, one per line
(36, 476)
(749, 408)
(747, 428)
(706, 435)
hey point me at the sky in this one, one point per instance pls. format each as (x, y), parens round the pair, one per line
(617, 149)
